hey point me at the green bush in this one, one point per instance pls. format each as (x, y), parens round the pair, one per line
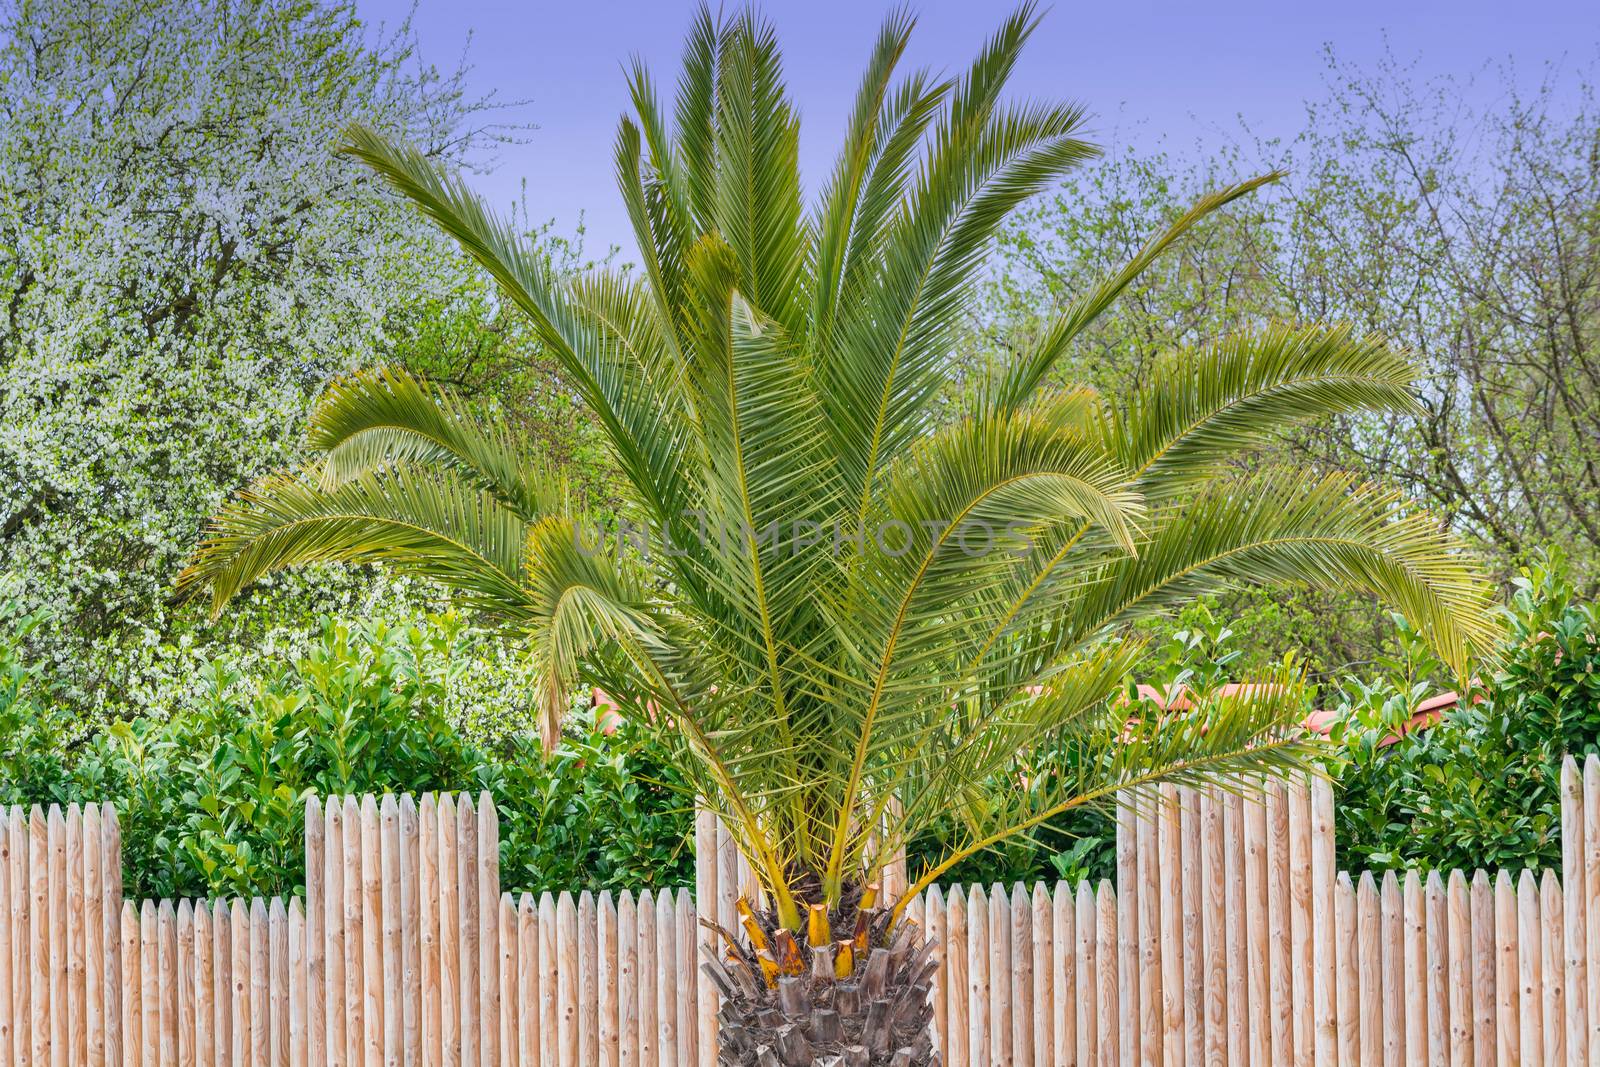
(1480, 788)
(212, 801)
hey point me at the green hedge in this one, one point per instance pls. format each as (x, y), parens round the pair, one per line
(212, 801)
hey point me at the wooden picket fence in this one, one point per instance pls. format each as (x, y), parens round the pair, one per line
(1229, 938)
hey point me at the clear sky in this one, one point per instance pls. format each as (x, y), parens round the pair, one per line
(1178, 74)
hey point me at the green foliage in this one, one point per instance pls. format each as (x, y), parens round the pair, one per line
(1480, 788)
(601, 811)
(32, 760)
(213, 800)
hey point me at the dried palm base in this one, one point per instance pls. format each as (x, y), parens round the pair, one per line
(857, 1002)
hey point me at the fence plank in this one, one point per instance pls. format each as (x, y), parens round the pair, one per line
(410, 933)
(1127, 934)
(1483, 971)
(550, 980)
(76, 966)
(1552, 911)
(186, 983)
(205, 1049)
(510, 1000)
(1591, 902)
(705, 880)
(428, 893)
(1574, 835)
(355, 953)
(61, 1009)
(1392, 934)
(1530, 943)
(1438, 959)
(527, 982)
(1281, 955)
(1347, 994)
(934, 929)
(1041, 947)
(1415, 954)
(1023, 1005)
(954, 1036)
(666, 966)
(1370, 941)
(567, 988)
(1109, 964)
(151, 1001)
(1257, 931)
(1300, 925)
(222, 980)
(9, 893)
(132, 985)
(1149, 917)
(606, 967)
(649, 1032)
(92, 954)
(111, 917)
(1459, 922)
(686, 982)
(333, 976)
(391, 919)
(467, 927)
(260, 985)
(39, 938)
(1323, 1024)
(1170, 872)
(299, 984)
(94, 984)
(1507, 1001)
(315, 938)
(21, 893)
(1061, 952)
(978, 1003)
(1194, 1003)
(372, 935)
(488, 857)
(628, 980)
(449, 943)
(1089, 1022)
(278, 980)
(1214, 947)
(1233, 923)
(239, 983)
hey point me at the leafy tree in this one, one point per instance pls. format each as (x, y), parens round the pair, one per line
(183, 265)
(846, 613)
(1461, 220)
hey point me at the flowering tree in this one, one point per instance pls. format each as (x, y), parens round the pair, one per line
(184, 261)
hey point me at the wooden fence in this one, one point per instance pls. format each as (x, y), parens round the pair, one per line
(1229, 938)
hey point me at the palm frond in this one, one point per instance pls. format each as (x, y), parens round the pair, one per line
(1197, 411)
(1121, 752)
(384, 417)
(421, 521)
(1288, 526)
(628, 408)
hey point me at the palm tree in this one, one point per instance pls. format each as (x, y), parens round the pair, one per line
(847, 601)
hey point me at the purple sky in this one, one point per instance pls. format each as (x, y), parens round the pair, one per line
(1177, 75)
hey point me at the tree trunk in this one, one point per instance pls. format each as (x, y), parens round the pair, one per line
(859, 1001)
